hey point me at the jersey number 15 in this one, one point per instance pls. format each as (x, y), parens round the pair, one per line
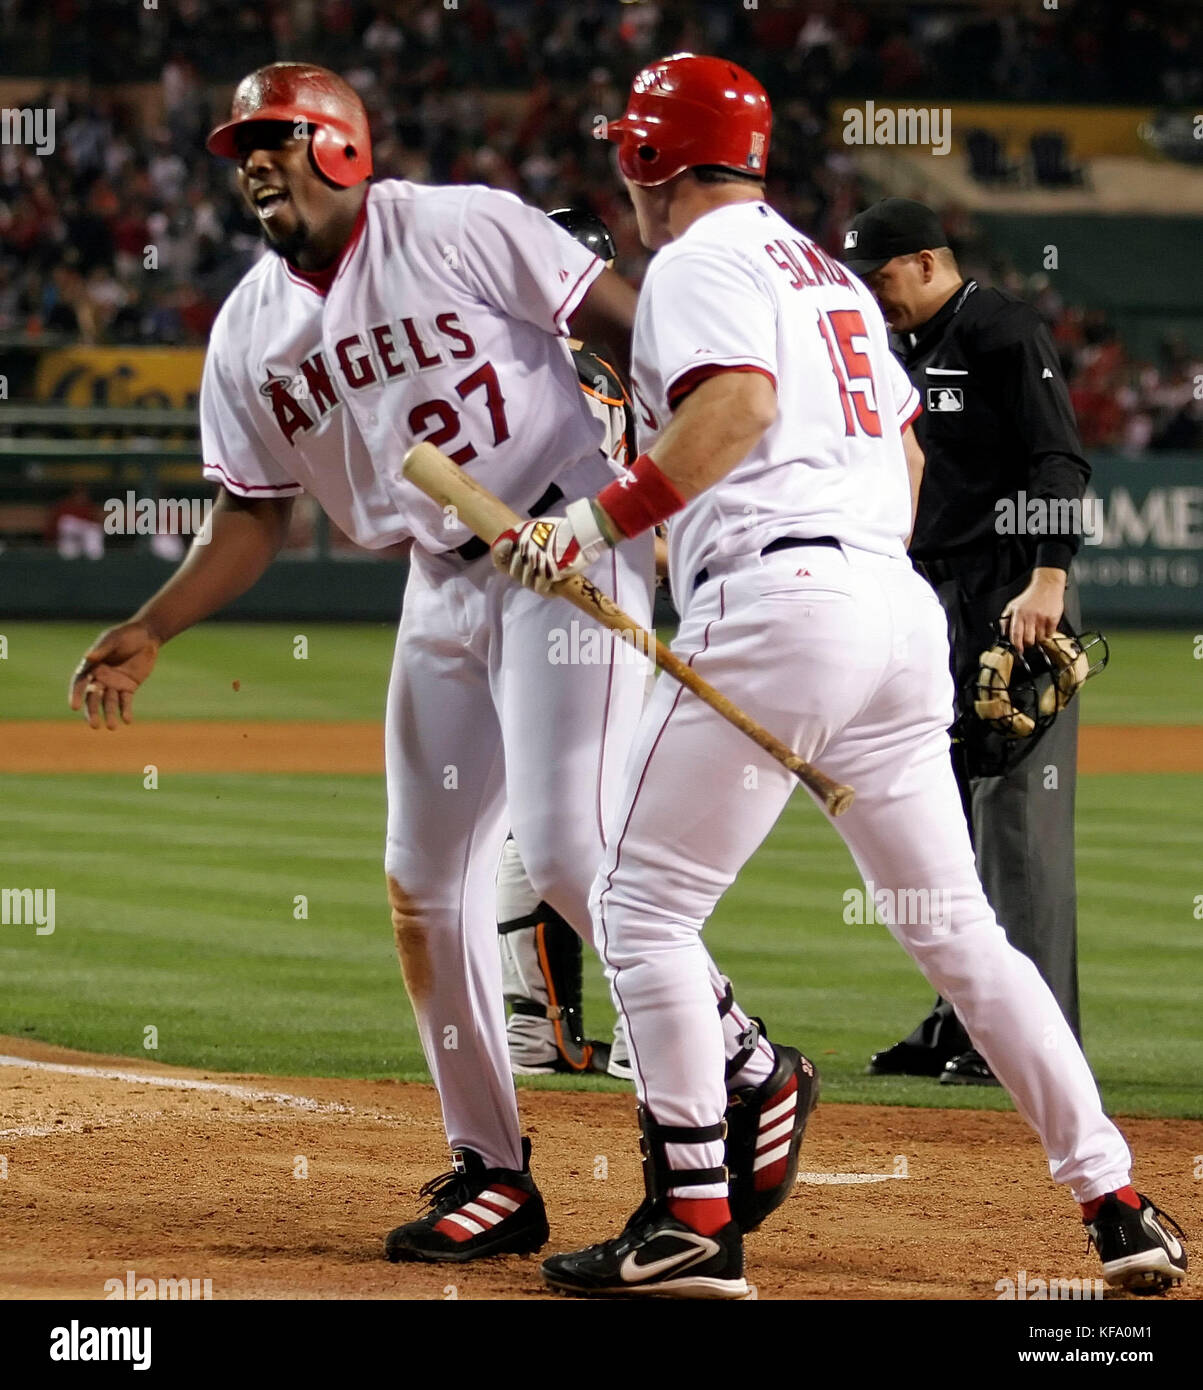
(853, 373)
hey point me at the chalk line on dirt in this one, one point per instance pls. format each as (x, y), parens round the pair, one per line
(176, 1083)
(847, 1178)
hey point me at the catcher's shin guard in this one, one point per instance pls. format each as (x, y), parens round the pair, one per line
(541, 977)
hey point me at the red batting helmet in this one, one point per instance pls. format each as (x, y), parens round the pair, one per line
(688, 110)
(340, 141)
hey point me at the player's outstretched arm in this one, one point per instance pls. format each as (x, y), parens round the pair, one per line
(245, 537)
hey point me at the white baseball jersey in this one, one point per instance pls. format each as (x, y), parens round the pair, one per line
(438, 325)
(743, 289)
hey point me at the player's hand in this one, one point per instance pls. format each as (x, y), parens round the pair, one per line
(540, 553)
(104, 682)
(1035, 613)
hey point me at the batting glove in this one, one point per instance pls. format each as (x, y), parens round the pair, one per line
(540, 553)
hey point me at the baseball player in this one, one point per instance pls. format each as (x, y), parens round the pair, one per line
(391, 313)
(772, 420)
(540, 953)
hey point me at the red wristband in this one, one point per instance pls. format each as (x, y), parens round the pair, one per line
(643, 500)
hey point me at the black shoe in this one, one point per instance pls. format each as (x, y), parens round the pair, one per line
(969, 1069)
(474, 1212)
(765, 1125)
(1137, 1251)
(655, 1254)
(907, 1059)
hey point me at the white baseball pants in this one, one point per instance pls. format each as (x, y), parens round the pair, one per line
(843, 654)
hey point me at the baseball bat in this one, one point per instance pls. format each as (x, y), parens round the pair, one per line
(429, 469)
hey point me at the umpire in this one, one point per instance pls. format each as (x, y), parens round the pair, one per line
(996, 425)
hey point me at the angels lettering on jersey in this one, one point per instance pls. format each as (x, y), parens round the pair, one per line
(384, 351)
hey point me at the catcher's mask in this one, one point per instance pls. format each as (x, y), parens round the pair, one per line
(1018, 695)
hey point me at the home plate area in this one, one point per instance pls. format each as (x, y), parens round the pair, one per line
(120, 1174)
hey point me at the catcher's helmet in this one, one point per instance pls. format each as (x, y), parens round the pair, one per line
(1019, 696)
(1012, 699)
(686, 111)
(340, 141)
(588, 229)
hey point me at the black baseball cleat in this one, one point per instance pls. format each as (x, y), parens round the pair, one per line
(907, 1059)
(765, 1125)
(655, 1254)
(1138, 1252)
(968, 1069)
(474, 1212)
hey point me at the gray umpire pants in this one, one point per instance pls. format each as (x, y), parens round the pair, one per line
(1022, 823)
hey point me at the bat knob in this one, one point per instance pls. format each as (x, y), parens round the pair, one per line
(839, 799)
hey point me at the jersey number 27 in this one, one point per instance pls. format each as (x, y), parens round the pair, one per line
(853, 372)
(446, 416)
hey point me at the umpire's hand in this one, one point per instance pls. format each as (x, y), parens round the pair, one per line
(1036, 612)
(112, 670)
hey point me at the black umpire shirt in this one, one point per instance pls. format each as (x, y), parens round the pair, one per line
(996, 424)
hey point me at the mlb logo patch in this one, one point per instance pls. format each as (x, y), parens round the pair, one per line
(945, 398)
(850, 239)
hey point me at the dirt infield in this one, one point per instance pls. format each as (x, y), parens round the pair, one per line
(120, 1169)
(56, 745)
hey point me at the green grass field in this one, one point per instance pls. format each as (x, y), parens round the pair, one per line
(174, 909)
(1153, 677)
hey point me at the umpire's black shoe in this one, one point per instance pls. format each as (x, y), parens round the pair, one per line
(655, 1254)
(765, 1125)
(474, 1212)
(1138, 1252)
(907, 1059)
(968, 1069)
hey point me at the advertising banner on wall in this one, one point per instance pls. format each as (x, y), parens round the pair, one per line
(154, 377)
(1143, 556)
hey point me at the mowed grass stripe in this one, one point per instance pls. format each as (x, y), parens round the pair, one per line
(191, 930)
(1153, 677)
(175, 909)
(344, 673)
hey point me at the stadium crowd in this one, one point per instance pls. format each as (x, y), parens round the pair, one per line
(131, 233)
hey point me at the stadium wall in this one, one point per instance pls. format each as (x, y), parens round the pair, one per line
(1142, 564)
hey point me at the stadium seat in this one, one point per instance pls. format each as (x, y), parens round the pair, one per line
(1051, 164)
(988, 162)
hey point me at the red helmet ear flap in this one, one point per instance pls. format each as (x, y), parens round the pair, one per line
(343, 154)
